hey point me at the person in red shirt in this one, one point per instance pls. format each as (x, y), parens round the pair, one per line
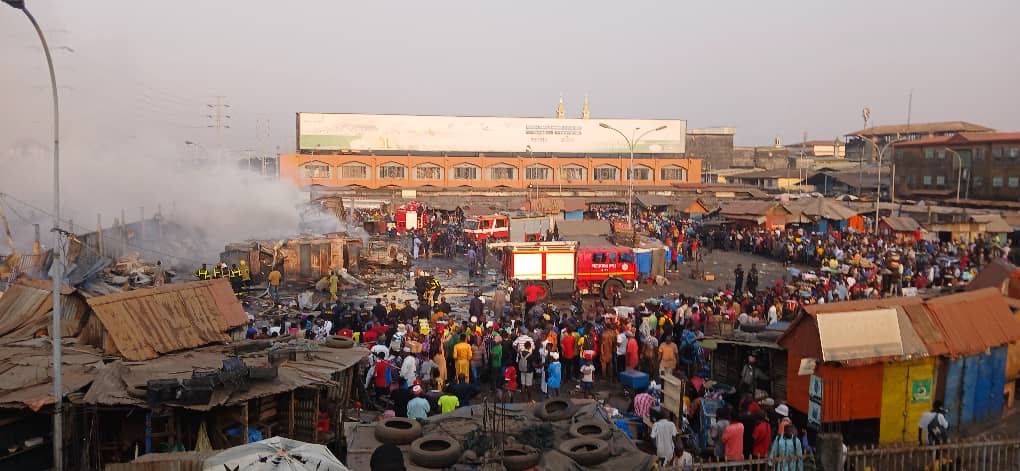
(369, 337)
(531, 296)
(632, 352)
(381, 375)
(568, 354)
(762, 436)
(510, 381)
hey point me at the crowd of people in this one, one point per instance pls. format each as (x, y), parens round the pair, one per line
(516, 346)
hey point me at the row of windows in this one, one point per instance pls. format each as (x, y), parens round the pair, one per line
(979, 153)
(568, 173)
(940, 180)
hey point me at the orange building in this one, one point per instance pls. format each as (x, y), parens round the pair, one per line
(516, 171)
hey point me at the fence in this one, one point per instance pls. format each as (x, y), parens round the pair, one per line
(980, 454)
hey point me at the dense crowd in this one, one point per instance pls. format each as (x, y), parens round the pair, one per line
(515, 345)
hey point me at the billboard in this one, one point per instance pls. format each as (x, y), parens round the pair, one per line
(407, 133)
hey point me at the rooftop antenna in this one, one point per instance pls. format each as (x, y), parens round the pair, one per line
(910, 106)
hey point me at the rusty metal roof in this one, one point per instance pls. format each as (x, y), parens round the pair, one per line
(27, 306)
(26, 368)
(974, 321)
(146, 323)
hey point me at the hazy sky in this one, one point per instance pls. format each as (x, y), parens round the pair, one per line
(141, 72)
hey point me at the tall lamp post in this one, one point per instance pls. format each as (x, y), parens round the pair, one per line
(878, 183)
(57, 269)
(959, 173)
(632, 142)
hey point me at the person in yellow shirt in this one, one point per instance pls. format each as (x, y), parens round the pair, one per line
(245, 275)
(275, 277)
(462, 357)
(334, 286)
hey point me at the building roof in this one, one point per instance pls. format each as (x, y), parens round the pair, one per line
(974, 321)
(146, 323)
(26, 309)
(749, 208)
(963, 138)
(993, 222)
(934, 127)
(571, 229)
(816, 142)
(994, 275)
(822, 207)
(25, 368)
(315, 366)
(774, 173)
(901, 223)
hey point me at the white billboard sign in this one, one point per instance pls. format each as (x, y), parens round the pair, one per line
(406, 133)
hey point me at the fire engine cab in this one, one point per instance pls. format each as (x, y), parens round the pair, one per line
(408, 218)
(482, 228)
(562, 267)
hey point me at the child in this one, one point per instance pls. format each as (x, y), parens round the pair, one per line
(510, 381)
(587, 376)
(554, 374)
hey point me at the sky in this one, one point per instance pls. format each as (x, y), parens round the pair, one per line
(136, 76)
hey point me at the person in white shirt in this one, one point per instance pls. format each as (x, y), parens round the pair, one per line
(664, 434)
(409, 367)
(621, 351)
(773, 315)
(925, 428)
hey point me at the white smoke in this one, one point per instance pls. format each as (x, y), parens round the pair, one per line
(228, 204)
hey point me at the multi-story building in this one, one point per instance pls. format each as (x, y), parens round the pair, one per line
(818, 149)
(858, 147)
(400, 151)
(984, 166)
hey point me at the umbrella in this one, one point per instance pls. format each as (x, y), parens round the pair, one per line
(274, 454)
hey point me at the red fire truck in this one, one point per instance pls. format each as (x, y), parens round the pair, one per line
(482, 228)
(407, 217)
(562, 267)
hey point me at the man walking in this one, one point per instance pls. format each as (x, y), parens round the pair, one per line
(738, 282)
(752, 279)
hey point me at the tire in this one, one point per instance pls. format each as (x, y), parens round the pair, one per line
(520, 458)
(397, 431)
(435, 451)
(585, 451)
(591, 429)
(337, 341)
(555, 409)
(610, 287)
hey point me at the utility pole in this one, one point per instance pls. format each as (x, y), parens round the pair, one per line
(866, 114)
(218, 120)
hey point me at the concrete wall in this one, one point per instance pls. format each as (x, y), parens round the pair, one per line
(715, 149)
(766, 157)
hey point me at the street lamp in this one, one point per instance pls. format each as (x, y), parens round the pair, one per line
(57, 269)
(632, 142)
(878, 183)
(959, 173)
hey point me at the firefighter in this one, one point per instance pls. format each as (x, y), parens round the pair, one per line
(245, 275)
(216, 272)
(202, 273)
(235, 279)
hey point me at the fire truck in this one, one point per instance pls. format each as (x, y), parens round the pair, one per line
(407, 217)
(562, 267)
(482, 228)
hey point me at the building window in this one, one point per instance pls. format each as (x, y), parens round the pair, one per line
(996, 152)
(393, 171)
(465, 172)
(929, 154)
(572, 173)
(502, 173)
(940, 180)
(977, 181)
(317, 170)
(354, 171)
(899, 154)
(942, 153)
(428, 172)
(640, 173)
(605, 173)
(672, 173)
(1014, 182)
(997, 182)
(910, 179)
(1014, 152)
(537, 173)
(927, 180)
(979, 153)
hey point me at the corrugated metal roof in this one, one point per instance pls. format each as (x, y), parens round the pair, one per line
(27, 372)
(974, 321)
(993, 275)
(145, 323)
(822, 207)
(27, 306)
(901, 223)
